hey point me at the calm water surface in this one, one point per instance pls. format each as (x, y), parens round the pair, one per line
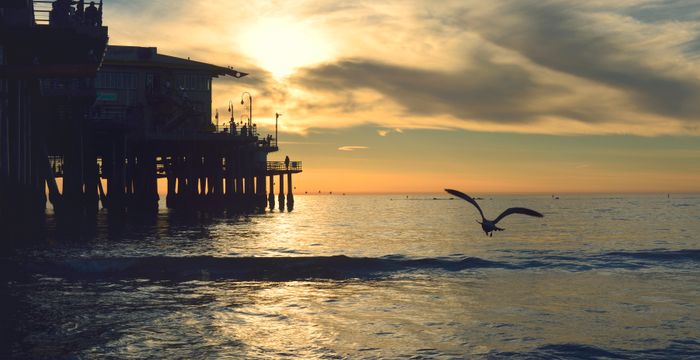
(368, 277)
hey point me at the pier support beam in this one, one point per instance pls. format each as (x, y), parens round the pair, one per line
(171, 167)
(260, 196)
(73, 168)
(130, 184)
(149, 178)
(271, 197)
(290, 194)
(217, 180)
(90, 176)
(181, 175)
(249, 179)
(202, 175)
(192, 197)
(230, 178)
(281, 195)
(116, 179)
(239, 166)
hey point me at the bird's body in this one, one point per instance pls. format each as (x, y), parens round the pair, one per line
(489, 226)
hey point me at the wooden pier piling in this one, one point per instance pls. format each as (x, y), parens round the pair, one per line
(271, 197)
(281, 194)
(290, 194)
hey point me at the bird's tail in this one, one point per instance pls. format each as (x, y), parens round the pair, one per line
(498, 229)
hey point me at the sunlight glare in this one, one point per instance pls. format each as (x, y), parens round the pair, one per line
(281, 45)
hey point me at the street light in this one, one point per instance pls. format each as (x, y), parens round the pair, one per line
(277, 116)
(231, 124)
(250, 115)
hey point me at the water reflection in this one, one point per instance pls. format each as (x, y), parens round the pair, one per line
(418, 279)
(376, 226)
(428, 314)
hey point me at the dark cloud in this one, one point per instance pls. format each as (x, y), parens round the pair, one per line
(665, 10)
(489, 91)
(560, 36)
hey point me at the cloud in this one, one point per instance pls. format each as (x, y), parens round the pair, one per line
(550, 66)
(352, 148)
(641, 60)
(490, 90)
(385, 132)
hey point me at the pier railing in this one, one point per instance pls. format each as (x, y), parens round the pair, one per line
(42, 11)
(281, 166)
(223, 129)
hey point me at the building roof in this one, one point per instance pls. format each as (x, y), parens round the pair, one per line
(149, 57)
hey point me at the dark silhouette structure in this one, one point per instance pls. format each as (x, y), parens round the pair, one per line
(75, 109)
(489, 226)
(46, 72)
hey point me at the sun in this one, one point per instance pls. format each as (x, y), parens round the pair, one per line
(282, 45)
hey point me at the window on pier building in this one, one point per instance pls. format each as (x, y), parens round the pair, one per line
(115, 80)
(118, 87)
(194, 82)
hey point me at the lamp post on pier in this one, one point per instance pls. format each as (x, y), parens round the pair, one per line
(277, 116)
(232, 124)
(250, 114)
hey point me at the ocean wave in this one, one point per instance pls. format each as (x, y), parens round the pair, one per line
(676, 349)
(657, 255)
(344, 267)
(249, 268)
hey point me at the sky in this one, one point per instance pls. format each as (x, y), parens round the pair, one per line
(498, 96)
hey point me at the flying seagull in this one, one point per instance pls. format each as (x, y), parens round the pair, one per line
(489, 226)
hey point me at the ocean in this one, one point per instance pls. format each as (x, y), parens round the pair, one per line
(366, 277)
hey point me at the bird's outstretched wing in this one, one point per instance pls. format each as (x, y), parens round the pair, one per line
(466, 197)
(517, 210)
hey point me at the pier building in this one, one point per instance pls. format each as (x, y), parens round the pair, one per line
(109, 121)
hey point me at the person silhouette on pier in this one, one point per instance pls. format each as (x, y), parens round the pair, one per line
(60, 14)
(80, 11)
(286, 162)
(91, 14)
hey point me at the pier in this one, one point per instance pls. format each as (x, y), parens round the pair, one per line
(85, 125)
